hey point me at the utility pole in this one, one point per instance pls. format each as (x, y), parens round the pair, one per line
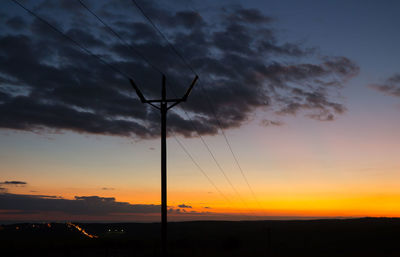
(163, 107)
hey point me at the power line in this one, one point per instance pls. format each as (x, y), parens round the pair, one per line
(209, 103)
(128, 45)
(210, 152)
(227, 142)
(73, 40)
(241, 170)
(156, 68)
(202, 171)
(199, 167)
(192, 123)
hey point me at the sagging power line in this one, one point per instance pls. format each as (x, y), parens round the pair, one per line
(210, 104)
(201, 169)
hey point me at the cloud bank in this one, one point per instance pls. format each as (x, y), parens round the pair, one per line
(26, 206)
(47, 83)
(81, 205)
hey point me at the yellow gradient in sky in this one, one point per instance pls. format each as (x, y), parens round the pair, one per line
(346, 168)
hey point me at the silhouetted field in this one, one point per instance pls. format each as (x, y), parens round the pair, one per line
(351, 237)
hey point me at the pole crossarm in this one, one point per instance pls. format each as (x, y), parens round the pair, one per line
(175, 101)
(164, 101)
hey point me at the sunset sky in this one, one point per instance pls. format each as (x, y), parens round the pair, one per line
(307, 93)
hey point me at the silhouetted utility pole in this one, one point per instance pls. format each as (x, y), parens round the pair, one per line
(163, 107)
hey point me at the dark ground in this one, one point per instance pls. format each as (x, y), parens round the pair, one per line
(350, 237)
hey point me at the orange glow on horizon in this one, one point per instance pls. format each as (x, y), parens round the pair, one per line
(357, 203)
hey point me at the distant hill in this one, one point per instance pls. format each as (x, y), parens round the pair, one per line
(341, 237)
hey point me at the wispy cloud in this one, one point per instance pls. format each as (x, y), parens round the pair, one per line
(267, 123)
(107, 188)
(184, 206)
(391, 86)
(13, 183)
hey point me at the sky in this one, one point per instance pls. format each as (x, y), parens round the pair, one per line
(295, 113)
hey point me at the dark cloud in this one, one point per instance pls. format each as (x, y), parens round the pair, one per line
(81, 205)
(183, 211)
(16, 23)
(47, 83)
(184, 206)
(246, 15)
(13, 183)
(287, 49)
(271, 123)
(107, 188)
(85, 37)
(17, 212)
(189, 19)
(391, 86)
(316, 100)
